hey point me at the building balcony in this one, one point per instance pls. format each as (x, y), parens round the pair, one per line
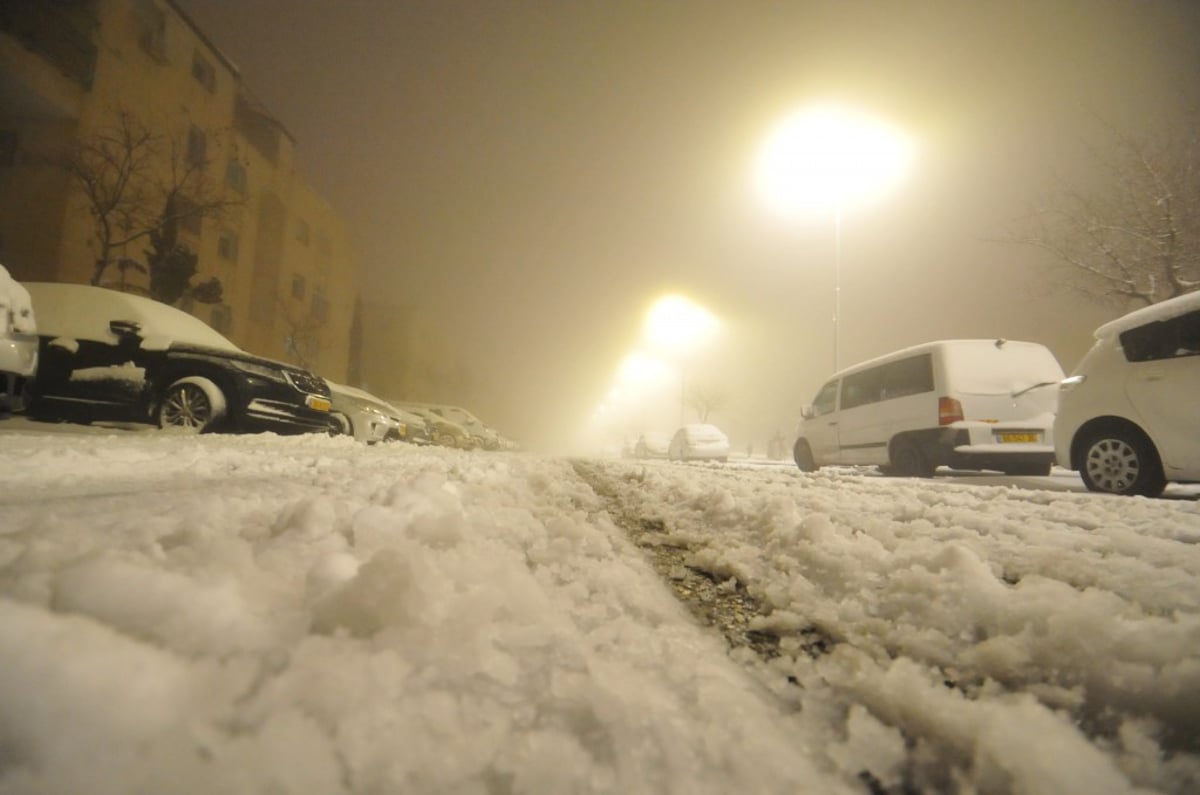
(59, 32)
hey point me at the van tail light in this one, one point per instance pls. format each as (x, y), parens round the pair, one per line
(949, 410)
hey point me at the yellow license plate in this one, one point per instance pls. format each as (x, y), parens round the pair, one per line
(1007, 438)
(318, 403)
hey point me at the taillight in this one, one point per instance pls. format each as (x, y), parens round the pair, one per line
(949, 410)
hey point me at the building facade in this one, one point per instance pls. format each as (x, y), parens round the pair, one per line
(85, 75)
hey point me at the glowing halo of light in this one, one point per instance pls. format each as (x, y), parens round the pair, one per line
(675, 323)
(826, 156)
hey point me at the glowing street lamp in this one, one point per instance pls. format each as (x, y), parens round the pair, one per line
(824, 158)
(675, 326)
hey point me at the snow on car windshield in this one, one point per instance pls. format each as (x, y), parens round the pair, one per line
(989, 367)
(84, 312)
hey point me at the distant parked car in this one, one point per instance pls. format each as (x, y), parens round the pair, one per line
(444, 432)
(652, 444)
(111, 356)
(967, 404)
(18, 340)
(1128, 417)
(416, 429)
(483, 435)
(360, 414)
(699, 442)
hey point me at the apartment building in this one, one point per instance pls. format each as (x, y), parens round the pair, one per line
(75, 71)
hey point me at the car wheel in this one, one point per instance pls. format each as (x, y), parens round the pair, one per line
(445, 440)
(802, 455)
(1121, 461)
(340, 424)
(191, 404)
(909, 461)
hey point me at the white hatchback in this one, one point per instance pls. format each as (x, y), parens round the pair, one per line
(1127, 417)
(699, 442)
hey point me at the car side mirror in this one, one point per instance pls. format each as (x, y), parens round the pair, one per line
(124, 328)
(807, 412)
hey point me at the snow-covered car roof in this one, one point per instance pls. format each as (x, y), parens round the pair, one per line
(82, 311)
(1163, 310)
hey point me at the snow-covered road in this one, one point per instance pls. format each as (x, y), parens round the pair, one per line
(244, 614)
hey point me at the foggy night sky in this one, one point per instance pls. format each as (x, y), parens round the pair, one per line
(535, 174)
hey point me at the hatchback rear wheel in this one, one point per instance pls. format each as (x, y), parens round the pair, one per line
(1121, 461)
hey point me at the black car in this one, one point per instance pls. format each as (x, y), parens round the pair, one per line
(106, 355)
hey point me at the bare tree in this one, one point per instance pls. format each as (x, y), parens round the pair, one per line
(1136, 236)
(141, 185)
(705, 399)
(304, 320)
(303, 329)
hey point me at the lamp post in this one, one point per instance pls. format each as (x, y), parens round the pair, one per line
(827, 157)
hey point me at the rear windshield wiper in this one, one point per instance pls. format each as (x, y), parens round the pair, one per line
(1035, 386)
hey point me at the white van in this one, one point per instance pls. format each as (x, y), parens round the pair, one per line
(966, 404)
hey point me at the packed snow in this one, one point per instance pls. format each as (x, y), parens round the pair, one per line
(200, 614)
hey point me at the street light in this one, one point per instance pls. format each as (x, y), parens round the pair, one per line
(675, 326)
(824, 158)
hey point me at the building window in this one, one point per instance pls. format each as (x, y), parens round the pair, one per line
(222, 318)
(298, 287)
(227, 246)
(302, 230)
(204, 72)
(320, 308)
(152, 29)
(197, 146)
(235, 176)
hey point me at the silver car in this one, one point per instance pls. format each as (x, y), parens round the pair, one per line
(360, 414)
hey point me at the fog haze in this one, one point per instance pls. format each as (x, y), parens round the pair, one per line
(533, 175)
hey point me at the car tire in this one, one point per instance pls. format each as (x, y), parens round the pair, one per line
(192, 404)
(908, 460)
(802, 455)
(1120, 460)
(340, 424)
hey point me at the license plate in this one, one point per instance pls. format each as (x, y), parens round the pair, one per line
(318, 403)
(1009, 438)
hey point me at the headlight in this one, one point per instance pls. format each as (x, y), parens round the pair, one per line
(262, 371)
(1067, 384)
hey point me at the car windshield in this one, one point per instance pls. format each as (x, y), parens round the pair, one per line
(84, 312)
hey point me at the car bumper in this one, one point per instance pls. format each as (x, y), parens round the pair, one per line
(278, 416)
(986, 447)
(19, 355)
